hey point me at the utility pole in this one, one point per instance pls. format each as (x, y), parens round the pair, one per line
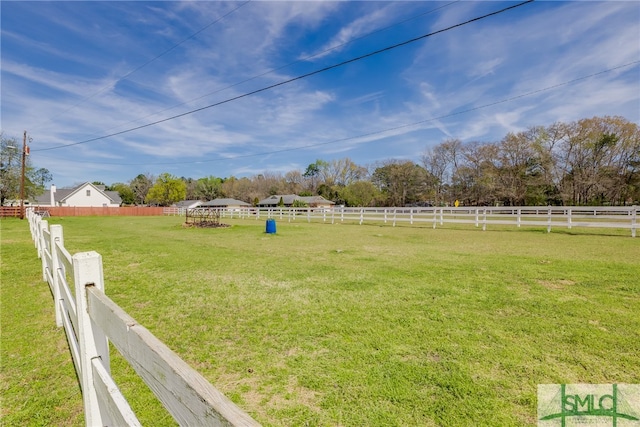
(24, 160)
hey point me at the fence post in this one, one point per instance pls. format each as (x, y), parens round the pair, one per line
(477, 220)
(569, 218)
(32, 221)
(484, 219)
(87, 271)
(33, 227)
(43, 226)
(361, 215)
(634, 211)
(36, 235)
(519, 217)
(549, 220)
(56, 237)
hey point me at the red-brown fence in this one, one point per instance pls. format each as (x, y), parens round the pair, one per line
(87, 211)
(9, 211)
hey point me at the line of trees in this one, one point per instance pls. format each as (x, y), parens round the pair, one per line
(589, 162)
(592, 161)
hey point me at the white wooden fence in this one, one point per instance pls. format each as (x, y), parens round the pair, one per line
(523, 216)
(90, 320)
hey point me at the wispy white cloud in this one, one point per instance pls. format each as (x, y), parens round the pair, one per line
(507, 60)
(363, 25)
(63, 82)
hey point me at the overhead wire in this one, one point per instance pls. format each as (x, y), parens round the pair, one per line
(378, 132)
(300, 77)
(306, 58)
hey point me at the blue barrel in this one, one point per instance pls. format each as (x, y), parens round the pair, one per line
(271, 226)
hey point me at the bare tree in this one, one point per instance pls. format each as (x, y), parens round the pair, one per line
(141, 185)
(436, 161)
(474, 180)
(294, 182)
(516, 163)
(341, 172)
(403, 182)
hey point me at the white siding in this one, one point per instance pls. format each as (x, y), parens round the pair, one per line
(95, 198)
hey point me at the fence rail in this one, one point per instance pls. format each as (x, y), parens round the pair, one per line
(90, 319)
(9, 211)
(621, 217)
(525, 216)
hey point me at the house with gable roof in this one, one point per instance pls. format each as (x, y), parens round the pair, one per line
(83, 195)
(187, 204)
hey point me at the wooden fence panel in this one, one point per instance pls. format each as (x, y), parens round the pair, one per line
(89, 319)
(188, 396)
(9, 211)
(620, 217)
(87, 273)
(110, 398)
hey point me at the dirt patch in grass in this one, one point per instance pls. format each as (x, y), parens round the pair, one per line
(296, 395)
(260, 399)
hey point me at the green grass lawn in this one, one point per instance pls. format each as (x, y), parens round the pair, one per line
(38, 385)
(345, 324)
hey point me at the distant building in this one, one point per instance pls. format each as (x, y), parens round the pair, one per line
(188, 204)
(226, 203)
(289, 199)
(84, 195)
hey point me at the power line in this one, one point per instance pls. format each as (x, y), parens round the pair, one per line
(83, 100)
(306, 58)
(378, 132)
(300, 77)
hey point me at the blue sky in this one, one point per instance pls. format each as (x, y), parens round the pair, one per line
(75, 71)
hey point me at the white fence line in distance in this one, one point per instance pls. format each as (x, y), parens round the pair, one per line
(619, 217)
